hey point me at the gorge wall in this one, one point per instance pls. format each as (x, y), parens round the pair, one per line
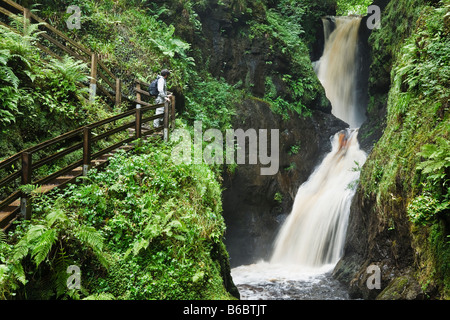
(413, 257)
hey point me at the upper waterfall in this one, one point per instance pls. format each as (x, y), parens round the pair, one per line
(337, 68)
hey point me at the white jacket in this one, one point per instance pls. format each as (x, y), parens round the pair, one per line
(162, 88)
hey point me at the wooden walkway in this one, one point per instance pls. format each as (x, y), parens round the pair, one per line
(93, 144)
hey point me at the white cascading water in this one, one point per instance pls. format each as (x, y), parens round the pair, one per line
(337, 69)
(313, 234)
(311, 240)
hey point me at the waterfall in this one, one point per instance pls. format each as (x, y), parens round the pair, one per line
(313, 234)
(311, 239)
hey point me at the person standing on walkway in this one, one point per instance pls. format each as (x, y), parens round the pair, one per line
(163, 95)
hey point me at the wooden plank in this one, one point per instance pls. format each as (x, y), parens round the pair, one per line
(13, 176)
(8, 216)
(57, 155)
(145, 84)
(110, 148)
(142, 92)
(47, 143)
(158, 116)
(61, 46)
(146, 104)
(10, 199)
(10, 160)
(113, 131)
(151, 131)
(13, 4)
(7, 13)
(48, 51)
(104, 78)
(103, 66)
(111, 119)
(118, 92)
(59, 173)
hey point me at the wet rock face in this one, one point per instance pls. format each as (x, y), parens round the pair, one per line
(256, 205)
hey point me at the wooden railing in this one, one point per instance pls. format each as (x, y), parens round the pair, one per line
(82, 139)
(56, 44)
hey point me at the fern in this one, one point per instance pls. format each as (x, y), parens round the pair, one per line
(73, 71)
(437, 161)
(56, 215)
(90, 237)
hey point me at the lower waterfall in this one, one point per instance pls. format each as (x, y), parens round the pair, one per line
(313, 234)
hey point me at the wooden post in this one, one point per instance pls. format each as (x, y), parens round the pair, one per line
(138, 95)
(25, 201)
(87, 135)
(166, 121)
(26, 20)
(172, 102)
(138, 122)
(118, 92)
(93, 85)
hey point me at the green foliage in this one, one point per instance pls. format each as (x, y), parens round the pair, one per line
(425, 208)
(45, 243)
(436, 199)
(278, 197)
(39, 97)
(283, 27)
(144, 228)
(347, 7)
(213, 102)
(437, 164)
(17, 58)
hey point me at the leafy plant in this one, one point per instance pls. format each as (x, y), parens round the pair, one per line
(424, 209)
(436, 165)
(436, 198)
(45, 243)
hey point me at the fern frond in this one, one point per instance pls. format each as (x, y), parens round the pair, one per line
(90, 236)
(56, 215)
(7, 75)
(18, 272)
(43, 246)
(60, 278)
(20, 250)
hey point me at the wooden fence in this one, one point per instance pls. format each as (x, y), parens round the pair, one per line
(81, 149)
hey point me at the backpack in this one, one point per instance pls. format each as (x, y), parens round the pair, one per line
(153, 88)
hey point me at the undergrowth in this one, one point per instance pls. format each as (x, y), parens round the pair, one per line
(144, 228)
